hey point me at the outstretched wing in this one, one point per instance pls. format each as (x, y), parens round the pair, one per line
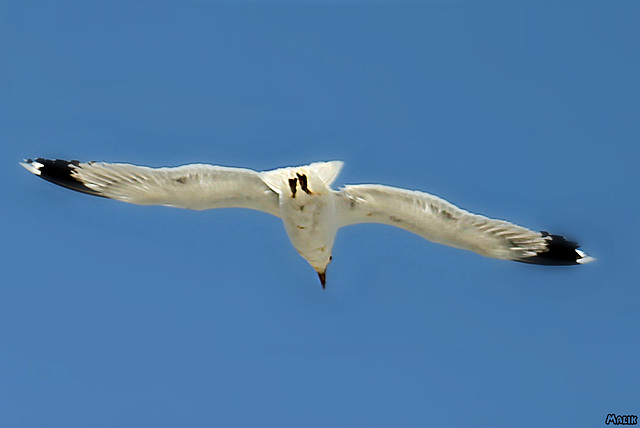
(439, 221)
(196, 186)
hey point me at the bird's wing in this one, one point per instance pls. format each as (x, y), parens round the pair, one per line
(439, 221)
(196, 186)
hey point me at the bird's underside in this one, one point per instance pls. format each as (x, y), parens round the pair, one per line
(311, 210)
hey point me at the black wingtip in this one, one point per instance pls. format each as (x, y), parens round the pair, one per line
(59, 172)
(560, 252)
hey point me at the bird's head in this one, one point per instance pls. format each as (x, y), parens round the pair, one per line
(321, 269)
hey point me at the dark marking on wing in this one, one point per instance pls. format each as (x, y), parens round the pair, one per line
(395, 219)
(181, 180)
(303, 183)
(60, 172)
(447, 215)
(560, 252)
(293, 185)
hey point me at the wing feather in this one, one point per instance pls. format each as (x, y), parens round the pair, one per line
(196, 186)
(439, 221)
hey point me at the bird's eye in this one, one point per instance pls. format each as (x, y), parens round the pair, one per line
(330, 258)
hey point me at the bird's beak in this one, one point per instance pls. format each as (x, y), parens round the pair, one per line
(323, 279)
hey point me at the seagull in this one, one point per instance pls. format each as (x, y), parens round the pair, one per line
(312, 212)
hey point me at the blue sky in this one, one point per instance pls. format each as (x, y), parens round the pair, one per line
(118, 315)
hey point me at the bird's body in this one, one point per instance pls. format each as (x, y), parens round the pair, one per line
(308, 209)
(312, 212)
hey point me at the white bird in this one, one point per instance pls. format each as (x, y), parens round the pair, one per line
(312, 212)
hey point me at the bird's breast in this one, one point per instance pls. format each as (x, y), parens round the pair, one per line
(308, 220)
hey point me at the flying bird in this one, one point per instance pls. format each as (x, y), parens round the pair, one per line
(312, 212)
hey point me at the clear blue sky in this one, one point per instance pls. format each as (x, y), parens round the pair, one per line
(119, 315)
